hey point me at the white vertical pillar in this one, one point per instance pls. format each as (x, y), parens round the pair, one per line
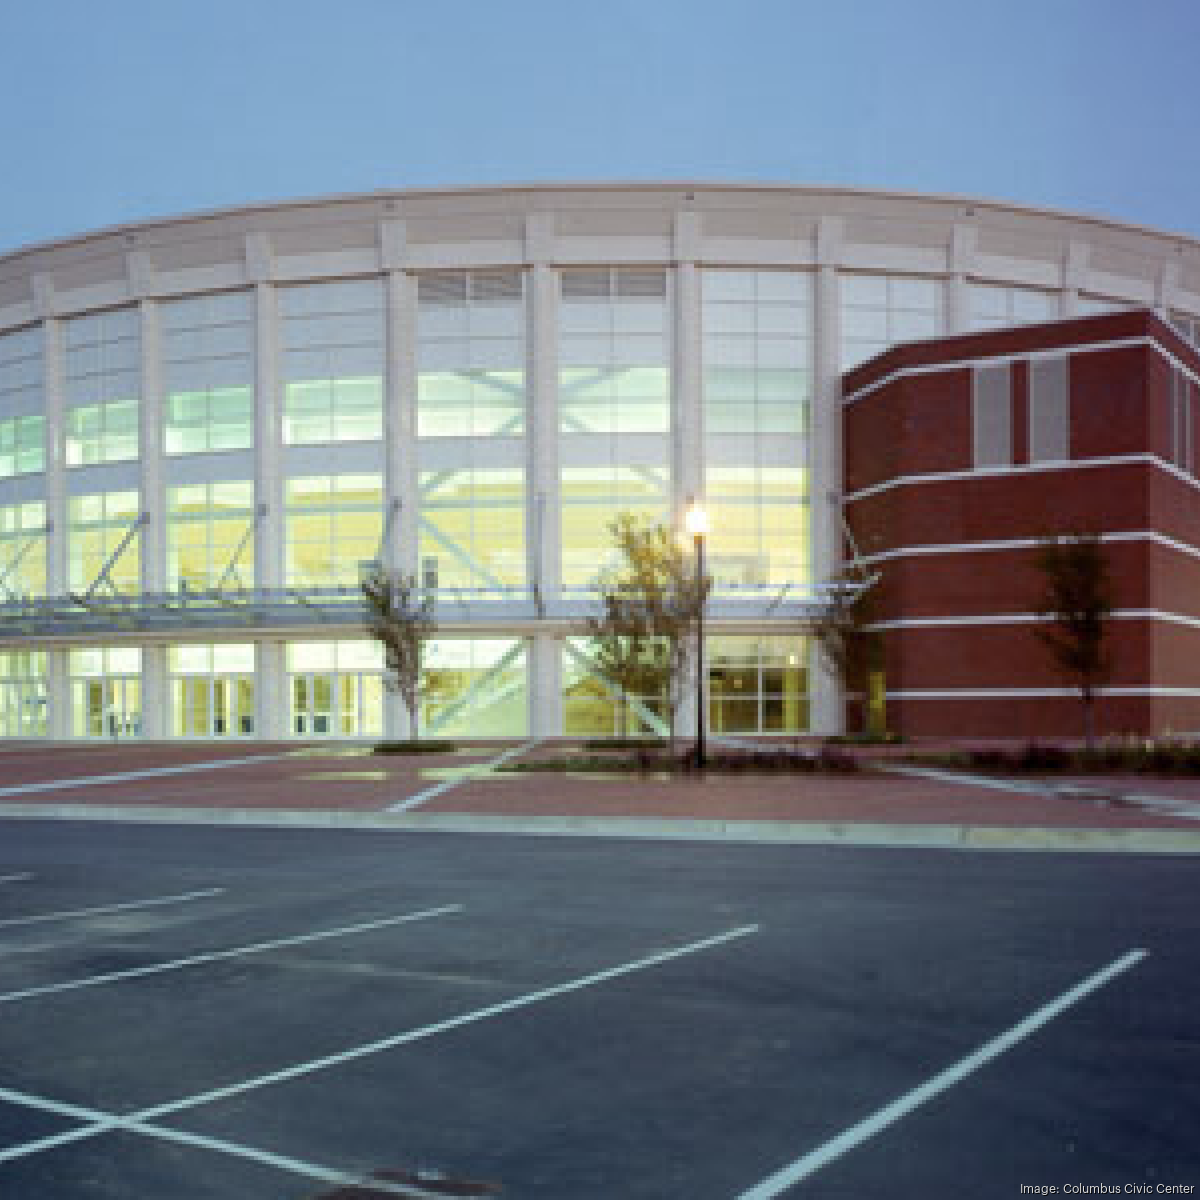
(688, 417)
(268, 467)
(1166, 289)
(153, 548)
(542, 513)
(962, 264)
(155, 698)
(270, 693)
(58, 694)
(825, 705)
(545, 685)
(1075, 270)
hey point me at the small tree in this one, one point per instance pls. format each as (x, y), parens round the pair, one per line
(400, 617)
(1077, 598)
(849, 646)
(650, 606)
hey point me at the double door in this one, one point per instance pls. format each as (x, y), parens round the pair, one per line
(214, 705)
(337, 704)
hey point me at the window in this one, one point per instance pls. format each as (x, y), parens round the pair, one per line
(210, 539)
(474, 687)
(757, 684)
(22, 694)
(1183, 421)
(470, 354)
(757, 351)
(590, 498)
(878, 311)
(333, 352)
(106, 691)
(208, 373)
(22, 401)
(759, 527)
(1049, 410)
(473, 528)
(1188, 326)
(335, 688)
(212, 690)
(614, 352)
(994, 306)
(99, 523)
(102, 386)
(334, 527)
(22, 550)
(991, 417)
(593, 705)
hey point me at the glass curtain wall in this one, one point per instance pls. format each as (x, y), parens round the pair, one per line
(22, 693)
(212, 690)
(99, 523)
(335, 688)
(994, 306)
(471, 421)
(334, 527)
(614, 393)
(208, 373)
(757, 684)
(593, 705)
(757, 348)
(210, 540)
(474, 688)
(22, 403)
(102, 372)
(22, 551)
(106, 691)
(332, 338)
(877, 311)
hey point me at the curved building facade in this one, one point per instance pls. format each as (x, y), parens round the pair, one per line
(209, 425)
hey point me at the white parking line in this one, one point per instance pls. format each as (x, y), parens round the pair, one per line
(66, 914)
(57, 785)
(18, 878)
(814, 1160)
(211, 956)
(142, 1122)
(468, 774)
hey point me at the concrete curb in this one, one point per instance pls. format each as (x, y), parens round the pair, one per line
(845, 833)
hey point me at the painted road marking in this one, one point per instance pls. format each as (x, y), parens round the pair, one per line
(814, 1160)
(18, 878)
(468, 774)
(99, 1122)
(981, 781)
(155, 902)
(211, 956)
(56, 785)
(141, 1122)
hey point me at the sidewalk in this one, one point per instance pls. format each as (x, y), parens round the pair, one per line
(346, 786)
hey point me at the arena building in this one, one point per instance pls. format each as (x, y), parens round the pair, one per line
(208, 425)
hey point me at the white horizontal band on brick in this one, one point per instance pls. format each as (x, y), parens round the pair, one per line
(1030, 693)
(935, 548)
(1075, 464)
(997, 360)
(951, 622)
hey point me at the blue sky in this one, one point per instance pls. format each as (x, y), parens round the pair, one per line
(132, 109)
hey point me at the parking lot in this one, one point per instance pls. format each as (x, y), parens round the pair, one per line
(214, 1012)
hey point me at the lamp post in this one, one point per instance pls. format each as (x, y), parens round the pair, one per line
(696, 523)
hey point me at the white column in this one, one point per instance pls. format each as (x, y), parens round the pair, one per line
(58, 694)
(688, 417)
(1075, 270)
(400, 421)
(270, 693)
(153, 539)
(542, 521)
(962, 264)
(155, 698)
(545, 685)
(55, 481)
(825, 705)
(268, 469)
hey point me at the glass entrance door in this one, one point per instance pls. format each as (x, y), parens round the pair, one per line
(214, 706)
(337, 704)
(108, 707)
